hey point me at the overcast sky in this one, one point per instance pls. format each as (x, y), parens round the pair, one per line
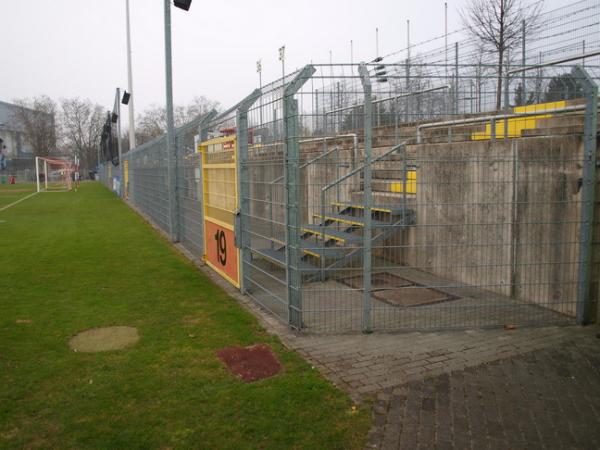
(68, 48)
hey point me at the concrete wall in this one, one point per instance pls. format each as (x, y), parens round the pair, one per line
(501, 215)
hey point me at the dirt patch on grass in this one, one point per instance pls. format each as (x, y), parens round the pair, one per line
(253, 363)
(104, 339)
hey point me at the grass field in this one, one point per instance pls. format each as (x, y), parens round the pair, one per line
(72, 261)
(10, 193)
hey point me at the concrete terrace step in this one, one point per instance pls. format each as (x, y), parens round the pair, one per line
(330, 233)
(278, 257)
(393, 210)
(351, 220)
(314, 249)
(385, 198)
(390, 185)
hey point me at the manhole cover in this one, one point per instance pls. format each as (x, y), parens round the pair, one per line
(380, 280)
(104, 339)
(251, 363)
(398, 291)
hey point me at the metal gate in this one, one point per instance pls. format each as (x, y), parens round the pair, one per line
(220, 203)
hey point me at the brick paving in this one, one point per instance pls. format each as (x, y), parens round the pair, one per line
(544, 399)
(367, 364)
(476, 389)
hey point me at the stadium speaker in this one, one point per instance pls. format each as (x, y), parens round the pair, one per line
(125, 99)
(183, 4)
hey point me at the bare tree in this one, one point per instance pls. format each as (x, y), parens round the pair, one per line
(37, 118)
(498, 25)
(152, 122)
(82, 123)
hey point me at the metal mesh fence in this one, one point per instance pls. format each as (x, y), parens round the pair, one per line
(423, 194)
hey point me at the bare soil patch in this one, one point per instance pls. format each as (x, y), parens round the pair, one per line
(104, 339)
(253, 363)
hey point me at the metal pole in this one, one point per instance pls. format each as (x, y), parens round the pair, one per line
(367, 326)
(171, 171)
(243, 185)
(590, 90)
(46, 174)
(507, 84)
(523, 62)
(130, 84)
(119, 143)
(292, 198)
(408, 39)
(37, 172)
(259, 70)
(376, 42)
(446, 37)
(456, 78)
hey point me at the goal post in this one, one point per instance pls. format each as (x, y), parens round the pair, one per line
(53, 174)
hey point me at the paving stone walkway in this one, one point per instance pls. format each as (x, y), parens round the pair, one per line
(544, 399)
(476, 389)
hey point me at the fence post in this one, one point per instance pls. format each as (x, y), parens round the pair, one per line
(202, 136)
(176, 209)
(243, 183)
(590, 90)
(292, 199)
(368, 112)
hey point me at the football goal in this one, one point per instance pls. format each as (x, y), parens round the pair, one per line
(53, 174)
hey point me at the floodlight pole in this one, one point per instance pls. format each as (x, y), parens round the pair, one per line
(130, 84)
(119, 144)
(171, 145)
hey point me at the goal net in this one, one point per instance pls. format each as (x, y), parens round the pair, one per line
(53, 174)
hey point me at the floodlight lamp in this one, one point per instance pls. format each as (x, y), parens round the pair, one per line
(183, 4)
(125, 99)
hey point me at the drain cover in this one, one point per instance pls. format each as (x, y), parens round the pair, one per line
(398, 291)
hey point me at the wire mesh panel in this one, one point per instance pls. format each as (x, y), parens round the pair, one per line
(148, 181)
(432, 188)
(475, 220)
(265, 274)
(190, 225)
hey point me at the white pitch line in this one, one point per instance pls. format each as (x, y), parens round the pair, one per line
(18, 201)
